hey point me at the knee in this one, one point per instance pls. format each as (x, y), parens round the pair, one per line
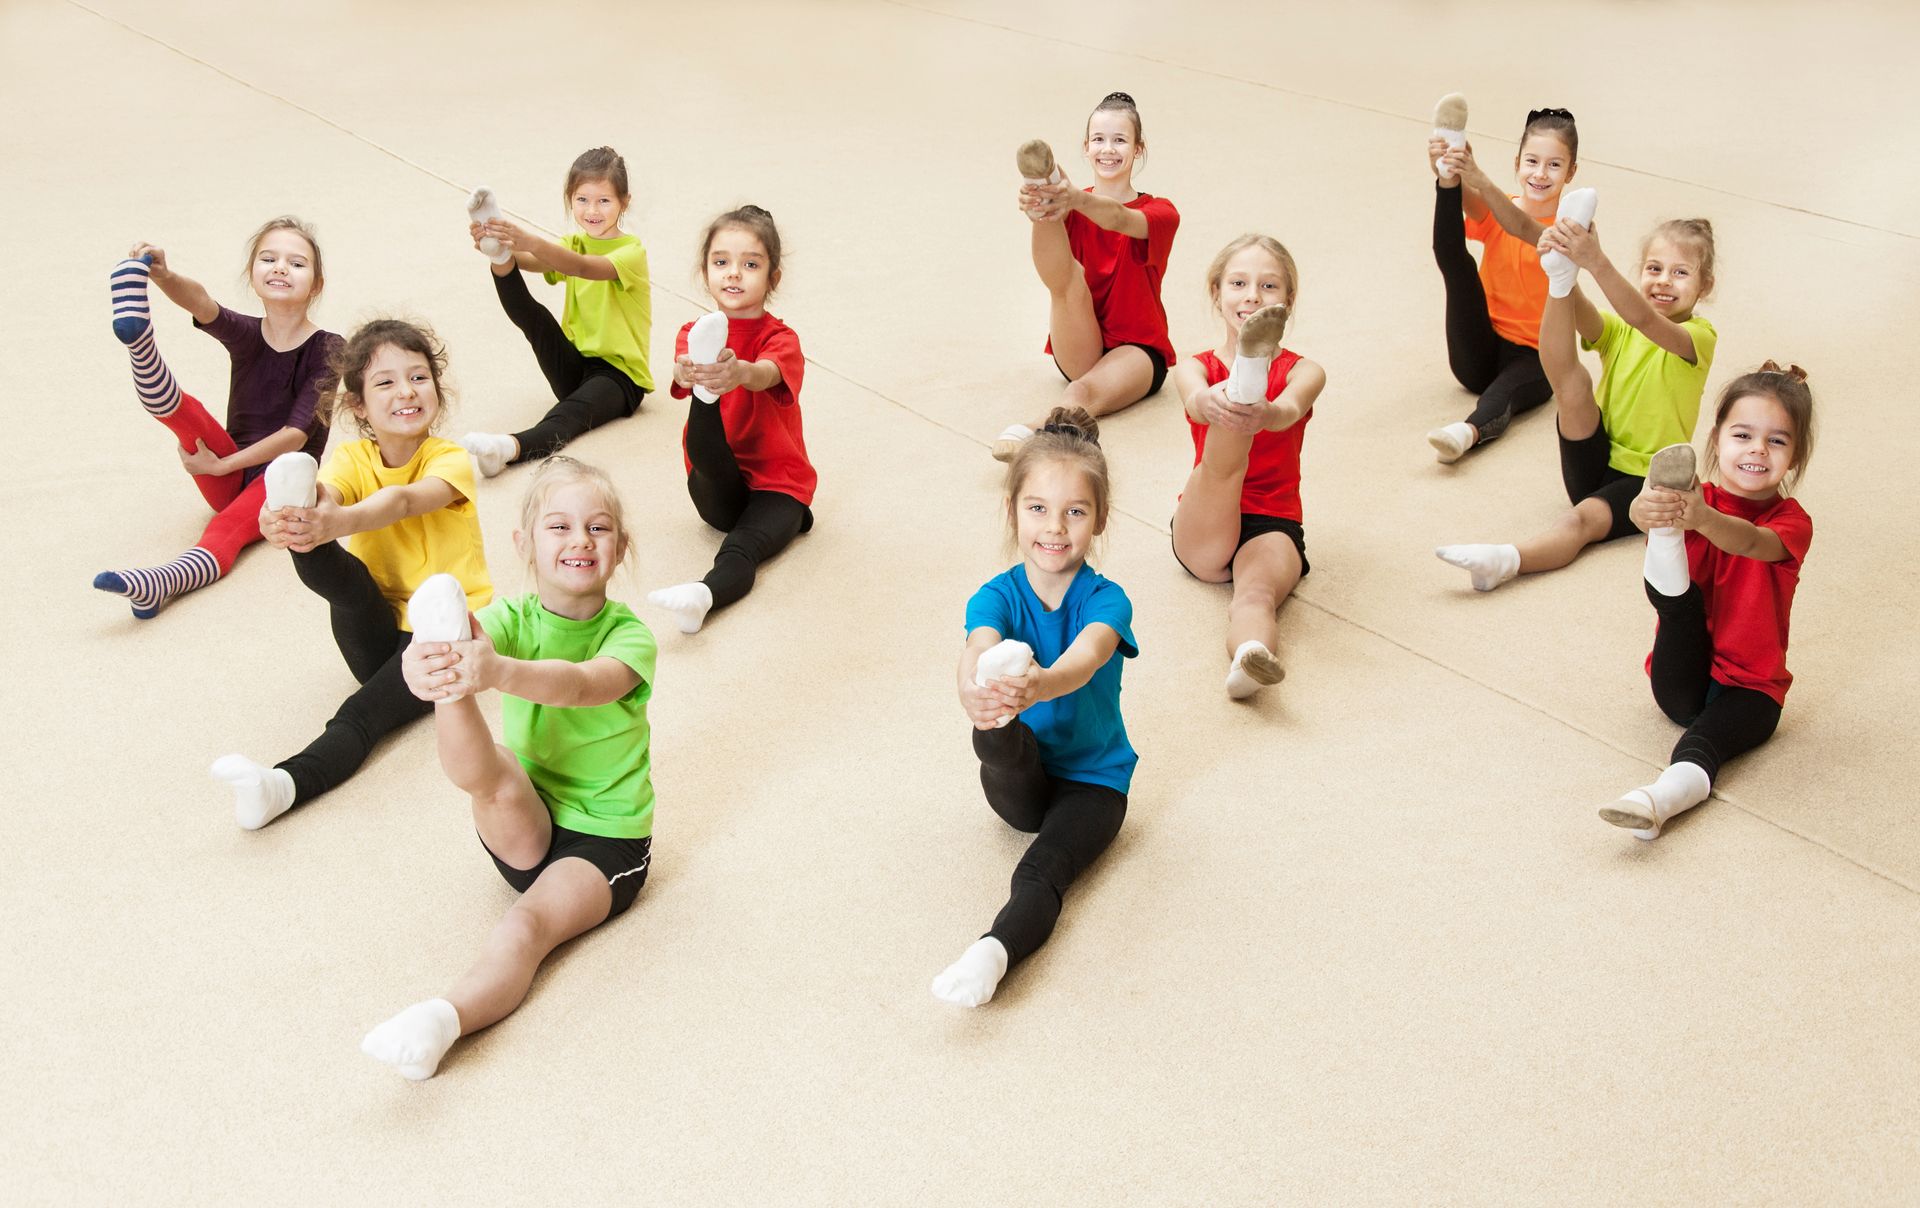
(1254, 595)
(1078, 394)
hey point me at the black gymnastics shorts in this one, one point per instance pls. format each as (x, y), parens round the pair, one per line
(622, 861)
(1252, 525)
(1585, 473)
(1158, 358)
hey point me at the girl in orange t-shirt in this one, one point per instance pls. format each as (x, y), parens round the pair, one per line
(1493, 310)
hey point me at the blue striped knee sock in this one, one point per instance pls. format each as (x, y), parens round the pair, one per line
(147, 588)
(133, 326)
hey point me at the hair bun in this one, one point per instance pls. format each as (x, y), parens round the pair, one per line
(756, 211)
(1076, 422)
(1124, 97)
(1793, 371)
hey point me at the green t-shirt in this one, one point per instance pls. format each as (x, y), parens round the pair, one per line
(1648, 397)
(591, 764)
(612, 320)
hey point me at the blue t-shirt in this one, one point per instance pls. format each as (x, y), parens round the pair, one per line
(1081, 735)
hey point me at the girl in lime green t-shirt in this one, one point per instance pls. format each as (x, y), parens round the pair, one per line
(565, 805)
(595, 356)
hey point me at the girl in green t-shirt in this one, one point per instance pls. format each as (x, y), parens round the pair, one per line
(595, 356)
(565, 805)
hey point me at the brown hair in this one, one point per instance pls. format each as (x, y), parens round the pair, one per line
(1070, 434)
(1124, 103)
(348, 366)
(601, 163)
(286, 222)
(1789, 388)
(1693, 233)
(1217, 271)
(559, 471)
(1554, 123)
(756, 222)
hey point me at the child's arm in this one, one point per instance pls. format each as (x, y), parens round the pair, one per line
(1189, 383)
(205, 461)
(1492, 198)
(1658, 507)
(1069, 673)
(729, 373)
(547, 255)
(1583, 248)
(186, 293)
(1103, 212)
(982, 705)
(1470, 203)
(1305, 381)
(555, 682)
(304, 529)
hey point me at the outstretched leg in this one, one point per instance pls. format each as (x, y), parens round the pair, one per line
(1265, 572)
(1206, 522)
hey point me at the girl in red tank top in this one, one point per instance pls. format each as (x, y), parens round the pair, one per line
(1248, 403)
(1102, 254)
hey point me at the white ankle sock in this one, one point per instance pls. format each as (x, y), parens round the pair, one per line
(971, 980)
(1007, 445)
(1007, 657)
(1451, 442)
(415, 1040)
(1252, 669)
(291, 479)
(260, 794)
(1675, 791)
(689, 603)
(1576, 205)
(438, 610)
(491, 451)
(482, 208)
(1450, 123)
(1666, 564)
(1490, 565)
(704, 345)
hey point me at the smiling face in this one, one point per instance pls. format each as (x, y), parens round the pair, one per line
(1251, 279)
(398, 398)
(737, 272)
(1670, 278)
(1542, 169)
(1055, 518)
(575, 545)
(597, 207)
(1754, 446)
(282, 269)
(1112, 145)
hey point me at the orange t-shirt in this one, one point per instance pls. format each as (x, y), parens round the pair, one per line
(1510, 273)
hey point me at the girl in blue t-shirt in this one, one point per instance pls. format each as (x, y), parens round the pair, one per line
(1040, 681)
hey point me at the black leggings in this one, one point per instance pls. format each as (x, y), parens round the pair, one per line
(1072, 821)
(371, 641)
(591, 391)
(1722, 721)
(1506, 376)
(758, 524)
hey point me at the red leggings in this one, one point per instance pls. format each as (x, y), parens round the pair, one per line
(236, 502)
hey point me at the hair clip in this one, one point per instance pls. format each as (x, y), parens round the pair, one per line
(1117, 96)
(1063, 428)
(1793, 371)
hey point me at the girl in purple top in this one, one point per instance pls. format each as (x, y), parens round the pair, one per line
(278, 362)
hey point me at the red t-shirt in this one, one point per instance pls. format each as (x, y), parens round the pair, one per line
(1124, 274)
(763, 426)
(1272, 486)
(1748, 601)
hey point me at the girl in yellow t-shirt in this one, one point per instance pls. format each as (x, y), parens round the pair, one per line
(595, 356)
(565, 804)
(403, 499)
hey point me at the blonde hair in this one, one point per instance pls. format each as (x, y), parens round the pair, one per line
(559, 471)
(1217, 271)
(287, 222)
(1696, 234)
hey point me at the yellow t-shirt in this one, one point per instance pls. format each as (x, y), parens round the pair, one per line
(402, 555)
(612, 320)
(1648, 397)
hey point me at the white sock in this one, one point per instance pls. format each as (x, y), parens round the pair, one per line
(1666, 565)
(1006, 446)
(291, 479)
(1449, 122)
(704, 345)
(971, 980)
(1576, 205)
(482, 208)
(438, 610)
(1247, 380)
(1490, 565)
(415, 1040)
(260, 794)
(1675, 791)
(1252, 669)
(689, 603)
(1006, 657)
(1451, 441)
(491, 451)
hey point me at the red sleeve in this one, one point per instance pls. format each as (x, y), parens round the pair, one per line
(1794, 527)
(782, 347)
(676, 390)
(1162, 221)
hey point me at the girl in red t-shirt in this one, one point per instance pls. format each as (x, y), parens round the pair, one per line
(1493, 308)
(746, 459)
(1102, 254)
(1248, 404)
(1722, 562)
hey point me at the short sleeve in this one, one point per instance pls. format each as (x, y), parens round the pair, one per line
(238, 332)
(989, 608)
(782, 347)
(1794, 527)
(1108, 605)
(675, 389)
(1478, 229)
(502, 625)
(632, 643)
(1613, 329)
(1162, 221)
(453, 466)
(313, 371)
(1705, 340)
(630, 265)
(344, 473)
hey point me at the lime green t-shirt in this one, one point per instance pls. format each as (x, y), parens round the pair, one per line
(402, 555)
(612, 320)
(1648, 397)
(591, 764)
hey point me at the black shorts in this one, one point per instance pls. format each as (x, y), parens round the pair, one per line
(622, 861)
(1585, 473)
(1252, 525)
(1158, 358)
